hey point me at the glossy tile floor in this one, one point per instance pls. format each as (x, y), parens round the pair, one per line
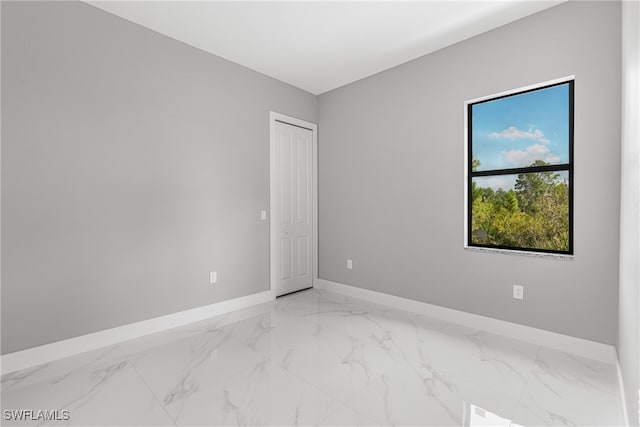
(316, 358)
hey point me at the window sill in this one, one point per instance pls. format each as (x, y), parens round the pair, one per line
(562, 257)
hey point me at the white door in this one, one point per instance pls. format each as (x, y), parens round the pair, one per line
(292, 238)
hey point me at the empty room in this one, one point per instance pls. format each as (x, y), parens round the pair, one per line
(320, 213)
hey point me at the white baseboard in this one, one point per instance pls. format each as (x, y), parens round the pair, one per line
(46, 353)
(42, 354)
(623, 403)
(578, 346)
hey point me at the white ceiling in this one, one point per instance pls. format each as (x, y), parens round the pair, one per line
(320, 45)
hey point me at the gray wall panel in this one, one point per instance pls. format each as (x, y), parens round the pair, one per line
(132, 165)
(391, 175)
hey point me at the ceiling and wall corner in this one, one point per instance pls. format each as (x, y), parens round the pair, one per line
(334, 43)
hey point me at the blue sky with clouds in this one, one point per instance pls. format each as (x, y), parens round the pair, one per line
(517, 130)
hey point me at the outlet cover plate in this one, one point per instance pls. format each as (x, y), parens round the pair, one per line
(518, 292)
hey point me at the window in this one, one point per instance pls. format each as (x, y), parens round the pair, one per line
(520, 170)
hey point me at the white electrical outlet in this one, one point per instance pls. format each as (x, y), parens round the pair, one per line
(349, 264)
(263, 215)
(213, 277)
(518, 292)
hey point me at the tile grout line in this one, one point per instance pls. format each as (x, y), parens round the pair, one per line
(316, 387)
(530, 371)
(356, 304)
(230, 338)
(206, 323)
(526, 384)
(326, 393)
(126, 356)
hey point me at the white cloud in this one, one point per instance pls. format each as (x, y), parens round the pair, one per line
(514, 133)
(531, 154)
(496, 183)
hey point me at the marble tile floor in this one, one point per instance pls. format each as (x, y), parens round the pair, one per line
(319, 359)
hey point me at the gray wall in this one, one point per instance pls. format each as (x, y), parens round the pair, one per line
(391, 175)
(629, 333)
(132, 165)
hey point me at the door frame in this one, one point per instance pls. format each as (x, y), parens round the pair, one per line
(313, 127)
